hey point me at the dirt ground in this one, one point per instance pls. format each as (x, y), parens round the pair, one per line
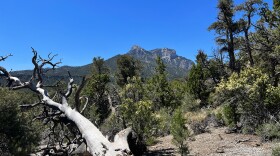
(216, 143)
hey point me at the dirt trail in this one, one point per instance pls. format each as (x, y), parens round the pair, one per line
(217, 143)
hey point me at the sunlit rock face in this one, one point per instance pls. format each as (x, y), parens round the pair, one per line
(169, 56)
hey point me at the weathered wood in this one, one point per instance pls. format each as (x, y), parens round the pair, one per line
(96, 143)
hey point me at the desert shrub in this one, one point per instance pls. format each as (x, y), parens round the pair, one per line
(198, 127)
(201, 126)
(17, 135)
(189, 103)
(112, 126)
(244, 97)
(211, 120)
(140, 117)
(196, 121)
(269, 131)
(218, 112)
(229, 115)
(276, 151)
(272, 100)
(164, 121)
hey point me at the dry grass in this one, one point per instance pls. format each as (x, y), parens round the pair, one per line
(200, 115)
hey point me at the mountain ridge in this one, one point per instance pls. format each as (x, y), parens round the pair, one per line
(177, 66)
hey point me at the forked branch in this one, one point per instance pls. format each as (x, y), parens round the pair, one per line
(3, 58)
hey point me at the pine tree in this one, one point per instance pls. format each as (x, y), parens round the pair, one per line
(127, 67)
(97, 89)
(226, 28)
(160, 90)
(179, 131)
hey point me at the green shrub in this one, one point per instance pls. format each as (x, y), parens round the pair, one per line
(164, 121)
(269, 131)
(229, 114)
(111, 126)
(219, 116)
(189, 103)
(179, 131)
(17, 135)
(276, 151)
(247, 98)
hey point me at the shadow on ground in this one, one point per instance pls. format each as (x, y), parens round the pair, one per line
(168, 151)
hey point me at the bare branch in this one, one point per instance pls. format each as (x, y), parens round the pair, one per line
(5, 73)
(85, 105)
(3, 58)
(38, 68)
(78, 92)
(30, 105)
(70, 86)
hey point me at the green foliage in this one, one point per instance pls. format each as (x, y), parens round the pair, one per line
(134, 89)
(179, 131)
(189, 103)
(269, 131)
(276, 151)
(112, 126)
(229, 115)
(127, 67)
(179, 88)
(96, 90)
(137, 111)
(164, 121)
(266, 42)
(141, 118)
(226, 27)
(247, 98)
(272, 100)
(204, 76)
(17, 136)
(159, 89)
(196, 84)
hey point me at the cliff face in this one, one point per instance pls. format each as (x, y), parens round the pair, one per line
(169, 56)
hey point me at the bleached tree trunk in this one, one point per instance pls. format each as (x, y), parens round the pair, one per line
(96, 143)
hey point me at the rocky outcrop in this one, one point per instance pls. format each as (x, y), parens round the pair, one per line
(169, 56)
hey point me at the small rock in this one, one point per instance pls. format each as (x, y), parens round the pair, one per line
(220, 150)
(256, 144)
(192, 139)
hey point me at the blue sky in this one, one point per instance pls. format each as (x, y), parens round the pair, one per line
(78, 30)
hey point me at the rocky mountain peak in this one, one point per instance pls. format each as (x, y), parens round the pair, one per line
(137, 50)
(169, 56)
(136, 47)
(165, 53)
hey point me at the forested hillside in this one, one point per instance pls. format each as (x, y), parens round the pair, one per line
(124, 104)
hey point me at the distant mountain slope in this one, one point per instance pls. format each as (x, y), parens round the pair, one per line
(177, 66)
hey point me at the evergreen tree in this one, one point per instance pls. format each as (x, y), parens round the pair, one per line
(266, 39)
(137, 112)
(249, 9)
(226, 28)
(197, 78)
(97, 90)
(179, 131)
(159, 88)
(127, 67)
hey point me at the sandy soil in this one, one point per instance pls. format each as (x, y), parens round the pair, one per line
(216, 143)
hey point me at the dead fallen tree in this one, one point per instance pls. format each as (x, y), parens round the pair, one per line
(87, 135)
